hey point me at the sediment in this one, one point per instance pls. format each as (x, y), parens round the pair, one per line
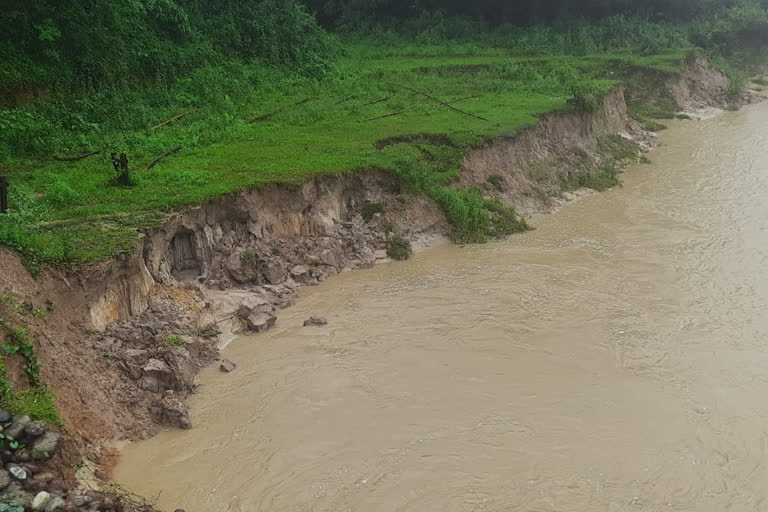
(127, 336)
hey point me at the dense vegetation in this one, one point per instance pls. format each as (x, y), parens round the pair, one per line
(269, 94)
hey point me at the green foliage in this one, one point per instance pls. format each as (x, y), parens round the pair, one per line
(174, 340)
(370, 209)
(606, 177)
(617, 146)
(654, 126)
(37, 401)
(12, 506)
(399, 248)
(496, 180)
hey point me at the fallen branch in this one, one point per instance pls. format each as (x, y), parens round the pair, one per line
(387, 115)
(385, 98)
(174, 118)
(271, 114)
(448, 105)
(157, 160)
(75, 158)
(344, 100)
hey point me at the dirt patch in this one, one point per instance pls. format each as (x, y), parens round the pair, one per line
(435, 139)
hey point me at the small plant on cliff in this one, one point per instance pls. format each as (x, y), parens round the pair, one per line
(371, 209)
(496, 180)
(654, 126)
(399, 248)
(174, 340)
(617, 147)
(606, 177)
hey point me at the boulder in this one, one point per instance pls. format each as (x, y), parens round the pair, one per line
(173, 412)
(55, 504)
(5, 417)
(35, 428)
(260, 321)
(274, 272)
(156, 376)
(300, 274)
(18, 425)
(40, 501)
(136, 357)
(227, 366)
(46, 445)
(242, 266)
(316, 321)
(17, 471)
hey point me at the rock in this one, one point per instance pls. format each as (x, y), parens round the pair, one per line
(315, 321)
(227, 366)
(156, 376)
(174, 413)
(40, 501)
(5, 417)
(274, 272)
(242, 265)
(35, 428)
(136, 357)
(7, 456)
(260, 321)
(81, 500)
(107, 503)
(300, 274)
(47, 444)
(17, 471)
(5, 479)
(55, 504)
(18, 425)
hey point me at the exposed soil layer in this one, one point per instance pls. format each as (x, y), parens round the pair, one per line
(128, 335)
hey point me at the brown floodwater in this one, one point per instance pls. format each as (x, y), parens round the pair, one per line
(614, 359)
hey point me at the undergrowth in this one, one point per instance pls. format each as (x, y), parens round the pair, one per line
(37, 400)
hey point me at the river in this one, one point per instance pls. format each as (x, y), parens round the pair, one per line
(614, 359)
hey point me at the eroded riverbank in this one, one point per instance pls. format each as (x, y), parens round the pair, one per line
(614, 357)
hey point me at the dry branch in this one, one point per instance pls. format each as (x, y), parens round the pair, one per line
(174, 118)
(387, 115)
(271, 114)
(75, 158)
(157, 160)
(448, 105)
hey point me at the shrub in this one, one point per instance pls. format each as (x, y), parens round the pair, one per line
(399, 248)
(371, 209)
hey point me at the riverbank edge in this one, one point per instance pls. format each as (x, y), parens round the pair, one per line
(129, 335)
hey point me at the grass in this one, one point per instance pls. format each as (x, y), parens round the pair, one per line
(69, 213)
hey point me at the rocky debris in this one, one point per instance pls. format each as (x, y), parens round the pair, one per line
(5, 417)
(173, 412)
(227, 366)
(274, 272)
(300, 274)
(256, 314)
(156, 376)
(316, 321)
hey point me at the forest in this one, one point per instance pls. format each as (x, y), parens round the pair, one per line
(191, 90)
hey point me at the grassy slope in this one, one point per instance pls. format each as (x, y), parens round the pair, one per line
(68, 212)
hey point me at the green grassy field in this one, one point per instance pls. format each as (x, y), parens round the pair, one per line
(71, 213)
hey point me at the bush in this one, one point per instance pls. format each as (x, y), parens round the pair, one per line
(399, 248)
(371, 209)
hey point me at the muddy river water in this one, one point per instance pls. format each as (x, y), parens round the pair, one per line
(614, 359)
